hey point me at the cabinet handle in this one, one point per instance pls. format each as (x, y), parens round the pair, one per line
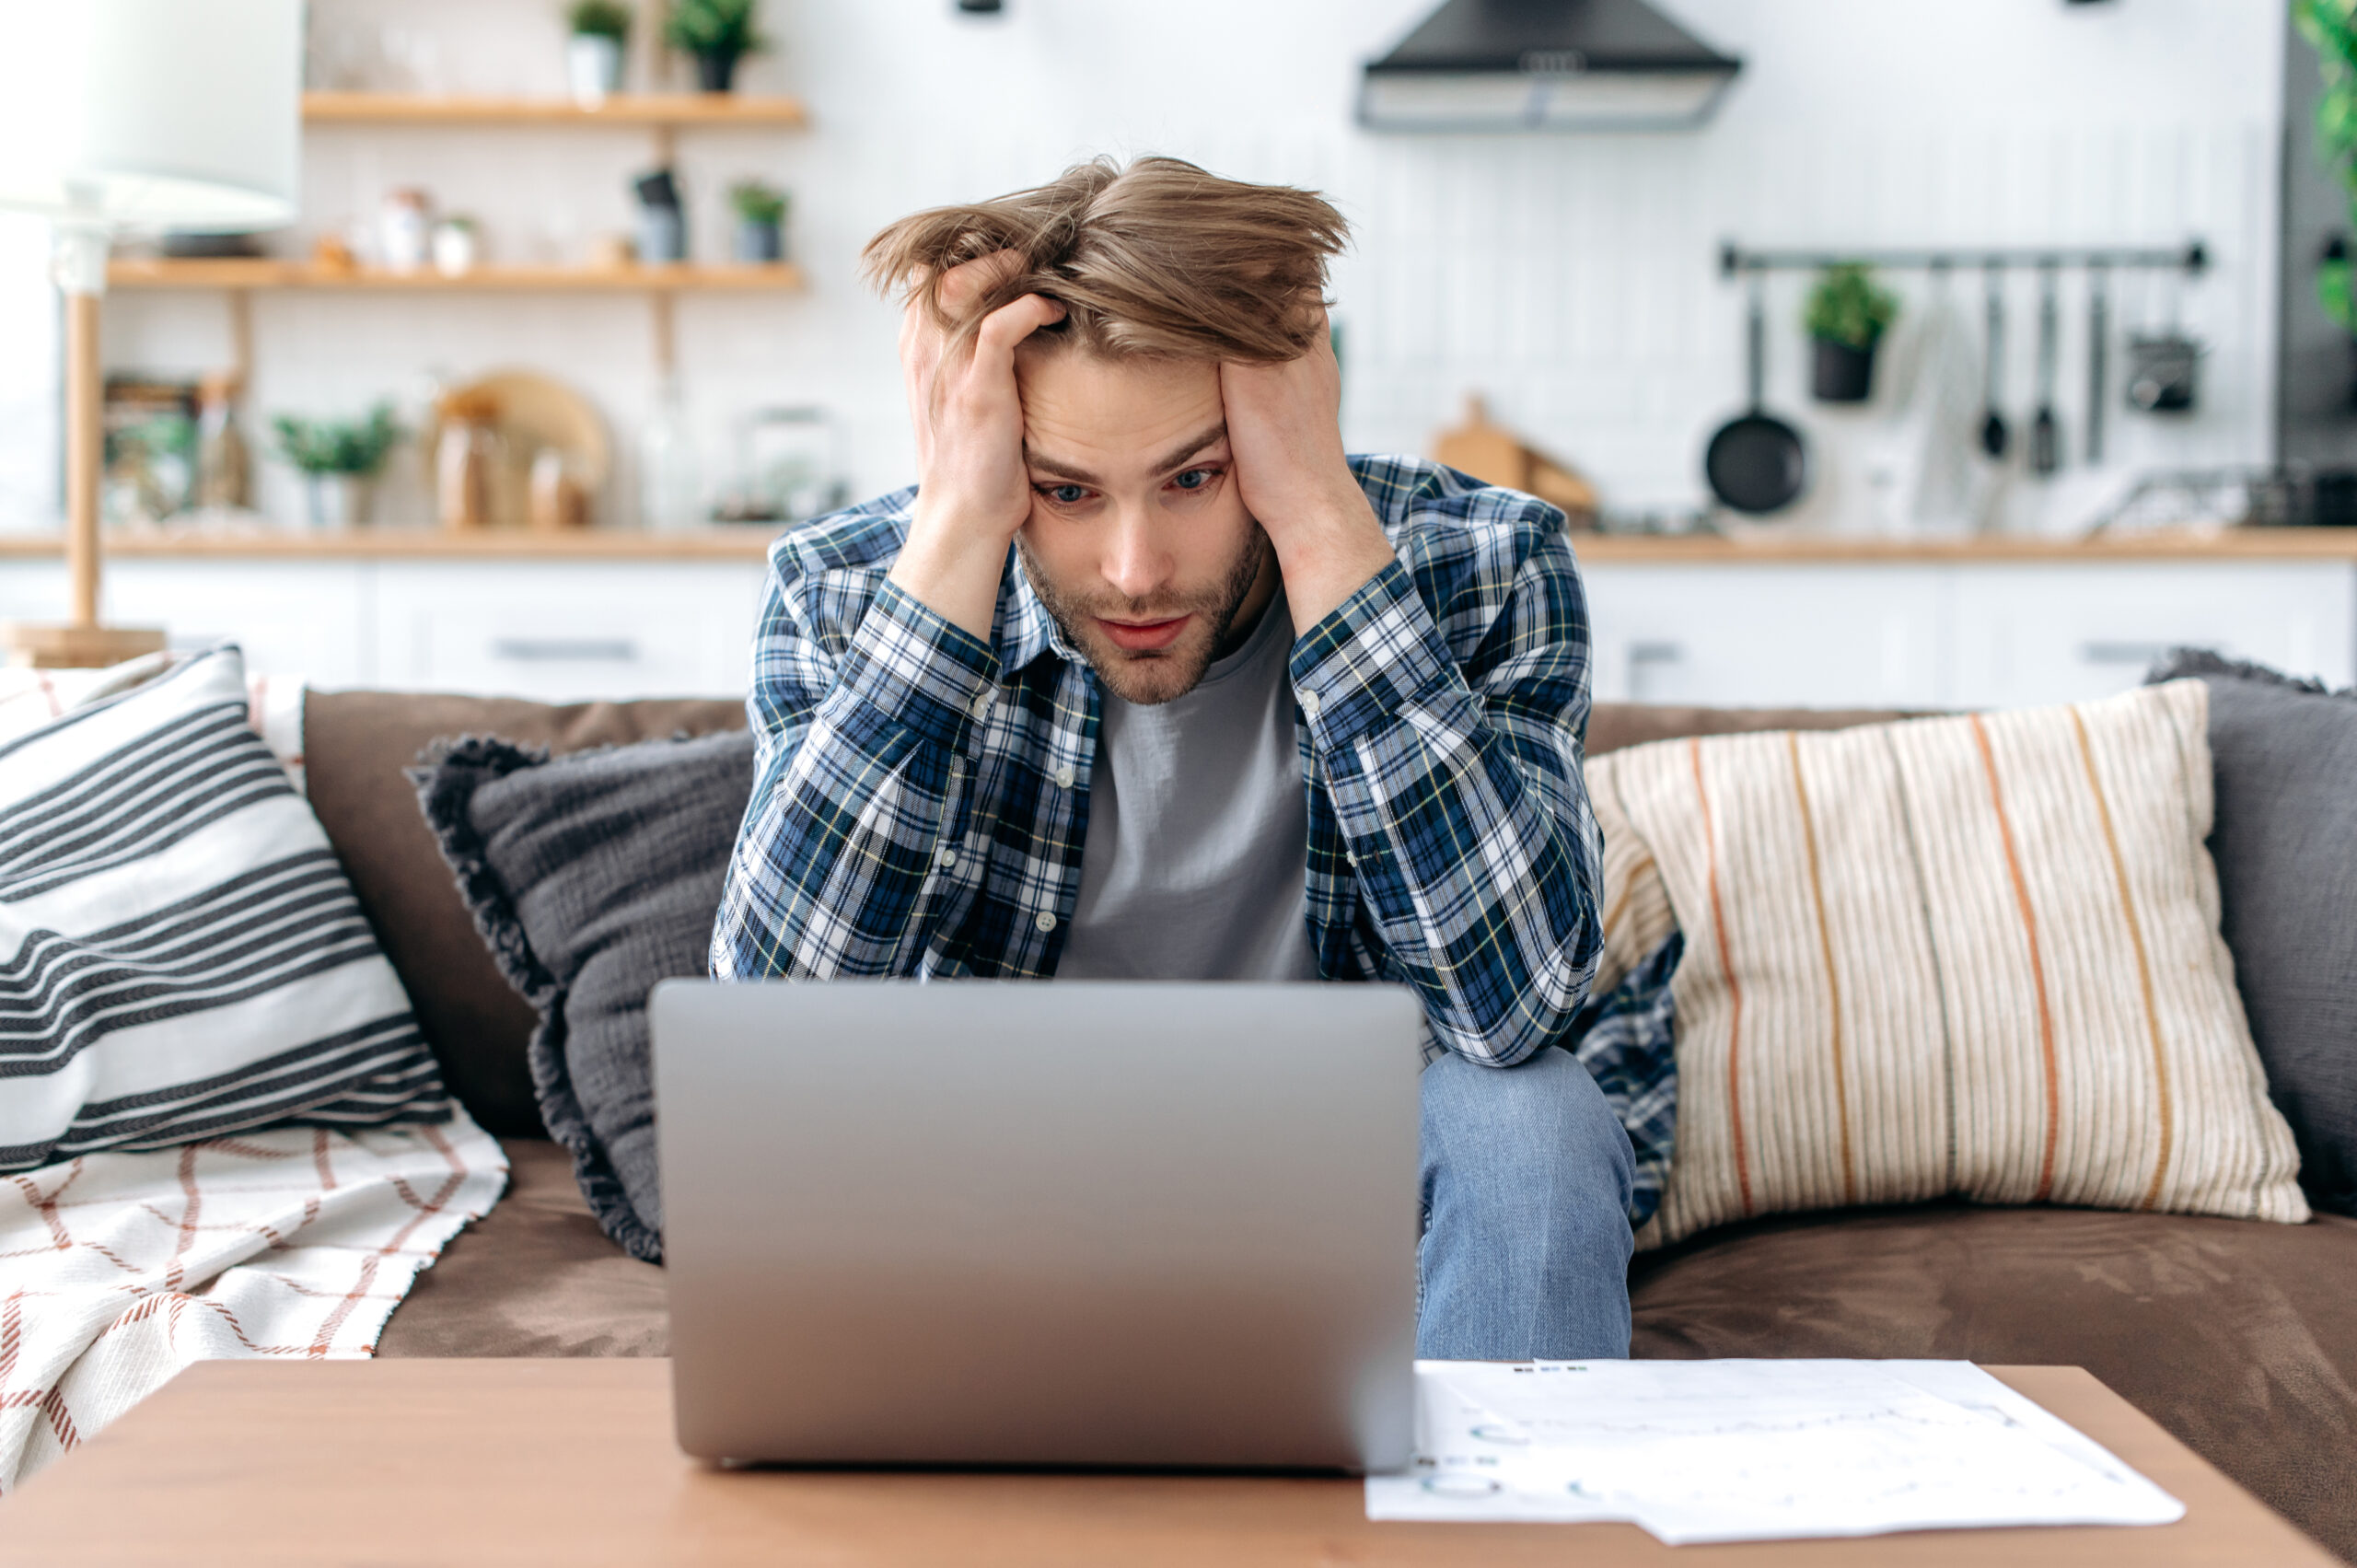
(2124, 653)
(538, 650)
(1657, 653)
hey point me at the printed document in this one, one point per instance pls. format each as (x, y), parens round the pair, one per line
(1752, 1450)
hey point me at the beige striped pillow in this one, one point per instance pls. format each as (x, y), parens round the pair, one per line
(1975, 955)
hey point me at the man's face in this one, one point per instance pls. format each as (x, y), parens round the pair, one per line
(1138, 542)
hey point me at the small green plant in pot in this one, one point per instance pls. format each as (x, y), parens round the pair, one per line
(593, 56)
(719, 33)
(1848, 313)
(340, 461)
(2330, 27)
(760, 220)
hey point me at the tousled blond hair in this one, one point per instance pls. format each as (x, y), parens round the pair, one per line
(1157, 259)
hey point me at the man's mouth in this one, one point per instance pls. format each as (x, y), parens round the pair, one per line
(1144, 636)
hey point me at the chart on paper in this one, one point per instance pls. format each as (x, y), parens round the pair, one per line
(1749, 1450)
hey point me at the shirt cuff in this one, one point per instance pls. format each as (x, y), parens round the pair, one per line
(1359, 665)
(919, 670)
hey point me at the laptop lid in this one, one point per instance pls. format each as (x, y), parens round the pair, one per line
(1023, 1224)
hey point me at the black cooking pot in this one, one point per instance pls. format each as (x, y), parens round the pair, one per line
(1757, 463)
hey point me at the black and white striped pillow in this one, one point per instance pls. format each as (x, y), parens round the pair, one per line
(180, 955)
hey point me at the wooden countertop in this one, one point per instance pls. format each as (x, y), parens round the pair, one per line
(417, 544)
(751, 543)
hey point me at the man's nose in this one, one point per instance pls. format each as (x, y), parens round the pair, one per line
(1136, 563)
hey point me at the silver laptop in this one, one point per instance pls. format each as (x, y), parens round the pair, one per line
(1024, 1223)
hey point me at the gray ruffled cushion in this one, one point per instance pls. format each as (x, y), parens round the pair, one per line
(591, 877)
(2284, 754)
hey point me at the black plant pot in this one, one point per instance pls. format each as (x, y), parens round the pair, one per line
(1843, 374)
(716, 70)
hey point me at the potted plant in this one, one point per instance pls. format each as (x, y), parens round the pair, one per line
(760, 220)
(593, 58)
(718, 33)
(1848, 313)
(340, 461)
(2330, 27)
(458, 245)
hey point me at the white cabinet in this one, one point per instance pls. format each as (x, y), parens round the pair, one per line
(2030, 634)
(1822, 636)
(306, 618)
(1952, 634)
(565, 630)
(558, 631)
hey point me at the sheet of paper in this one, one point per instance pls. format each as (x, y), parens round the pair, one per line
(1752, 1450)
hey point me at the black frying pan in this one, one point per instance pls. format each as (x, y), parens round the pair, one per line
(1756, 463)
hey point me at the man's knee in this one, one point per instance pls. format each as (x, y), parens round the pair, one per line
(1542, 1125)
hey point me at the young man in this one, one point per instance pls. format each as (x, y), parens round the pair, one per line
(1146, 680)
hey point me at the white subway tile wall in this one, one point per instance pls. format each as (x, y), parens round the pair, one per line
(1571, 279)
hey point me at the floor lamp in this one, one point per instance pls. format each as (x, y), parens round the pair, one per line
(136, 114)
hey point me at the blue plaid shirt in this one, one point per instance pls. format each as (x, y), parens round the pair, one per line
(921, 797)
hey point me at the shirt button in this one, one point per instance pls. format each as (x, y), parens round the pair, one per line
(1064, 775)
(946, 859)
(980, 706)
(1310, 704)
(1044, 920)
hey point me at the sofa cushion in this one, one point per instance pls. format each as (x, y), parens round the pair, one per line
(1972, 956)
(593, 876)
(356, 746)
(2285, 760)
(181, 957)
(533, 1277)
(2240, 1339)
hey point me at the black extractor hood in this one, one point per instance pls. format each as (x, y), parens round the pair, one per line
(1545, 65)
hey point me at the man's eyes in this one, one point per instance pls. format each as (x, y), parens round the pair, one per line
(1191, 480)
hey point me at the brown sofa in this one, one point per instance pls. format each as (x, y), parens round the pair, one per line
(2240, 1338)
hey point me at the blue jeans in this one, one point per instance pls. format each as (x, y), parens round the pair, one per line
(1527, 1239)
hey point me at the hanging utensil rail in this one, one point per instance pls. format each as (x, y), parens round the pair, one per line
(2191, 257)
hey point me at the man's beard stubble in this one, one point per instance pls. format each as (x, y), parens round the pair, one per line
(1167, 673)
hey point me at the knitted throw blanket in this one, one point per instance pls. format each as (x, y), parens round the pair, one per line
(117, 1269)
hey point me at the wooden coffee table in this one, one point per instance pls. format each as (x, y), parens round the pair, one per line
(568, 1463)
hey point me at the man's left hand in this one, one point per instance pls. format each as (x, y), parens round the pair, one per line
(1284, 429)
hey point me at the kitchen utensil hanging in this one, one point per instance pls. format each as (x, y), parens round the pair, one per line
(1757, 463)
(2163, 365)
(2170, 358)
(2044, 432)
(2098, 356)
(1994, 436)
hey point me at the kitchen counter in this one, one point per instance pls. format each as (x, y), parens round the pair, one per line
(751, 543)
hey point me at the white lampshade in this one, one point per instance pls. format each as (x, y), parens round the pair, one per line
(152, 113)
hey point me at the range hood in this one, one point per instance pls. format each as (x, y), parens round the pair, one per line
(1545, 65)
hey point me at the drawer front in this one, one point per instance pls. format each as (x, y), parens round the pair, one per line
(568, 632)
(2031, 635)
(292, 618)
(1767, 635)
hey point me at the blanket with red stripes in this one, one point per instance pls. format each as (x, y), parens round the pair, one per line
(117, 1269)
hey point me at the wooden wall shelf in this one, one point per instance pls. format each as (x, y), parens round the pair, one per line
(265, 274)
(623, 109)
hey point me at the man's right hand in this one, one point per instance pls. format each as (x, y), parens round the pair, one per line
(974, 491)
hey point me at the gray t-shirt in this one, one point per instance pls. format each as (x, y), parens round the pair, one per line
(1198, 836)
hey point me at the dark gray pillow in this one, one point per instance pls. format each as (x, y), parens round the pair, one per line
(2284, 753)
(593, 876)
